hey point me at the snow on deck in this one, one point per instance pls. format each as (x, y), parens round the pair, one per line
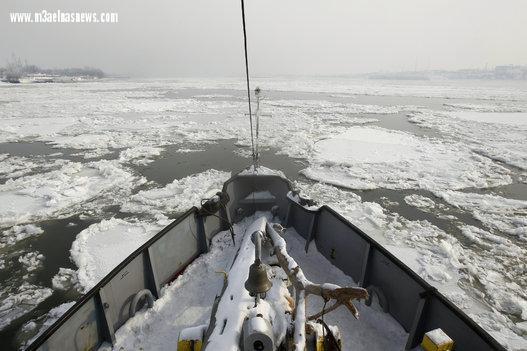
(188, 301)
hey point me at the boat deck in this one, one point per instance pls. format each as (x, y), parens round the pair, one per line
(187, 301)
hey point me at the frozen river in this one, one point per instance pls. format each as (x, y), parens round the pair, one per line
(435, 171)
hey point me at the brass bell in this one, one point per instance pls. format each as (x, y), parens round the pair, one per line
(258, 282)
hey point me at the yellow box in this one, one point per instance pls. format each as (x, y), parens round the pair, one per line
(437, 340)
(189, 345)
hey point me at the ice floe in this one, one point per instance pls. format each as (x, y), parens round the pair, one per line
(421, 202)
(102, 246)
(34, 328)
(32, 261)
(495, 212)
(177, 196)
(58, 193)
(65, 279)
(19, 301)
(140, 155)
(18, 233)
(500, 136)
(367, 158)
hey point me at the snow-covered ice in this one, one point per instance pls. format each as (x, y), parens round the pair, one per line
(495, 212)
(102, 246)
(18, 233)
(177, 196)
(479, 141)
(61, 192)
(34, 328)
(23, 299)
(65, 279)
(505, 142)
(32, 261)
(367, 158)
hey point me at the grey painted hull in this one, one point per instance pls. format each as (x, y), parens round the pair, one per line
(414, 303)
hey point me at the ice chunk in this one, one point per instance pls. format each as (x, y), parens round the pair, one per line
(65, 279)
(18, 233)
(496, 212)
(32, 260)
(511, 118)
(140, 155)
(421, 202)
(34, 328)
(22, 300)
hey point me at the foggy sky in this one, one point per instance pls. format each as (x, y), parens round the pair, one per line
(168, 38)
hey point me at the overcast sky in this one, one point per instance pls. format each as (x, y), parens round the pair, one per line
(204, 37)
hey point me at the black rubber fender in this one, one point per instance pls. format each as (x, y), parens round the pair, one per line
(145, 293)
(383, 301)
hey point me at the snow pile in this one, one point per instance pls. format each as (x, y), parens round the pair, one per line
(18, 233)
(102, 246)
(23, 299)
(495, 212)
(367, 158)
(177, 196)
(483, 132)
(61, 192)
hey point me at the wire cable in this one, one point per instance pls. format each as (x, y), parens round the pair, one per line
(248, 84)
